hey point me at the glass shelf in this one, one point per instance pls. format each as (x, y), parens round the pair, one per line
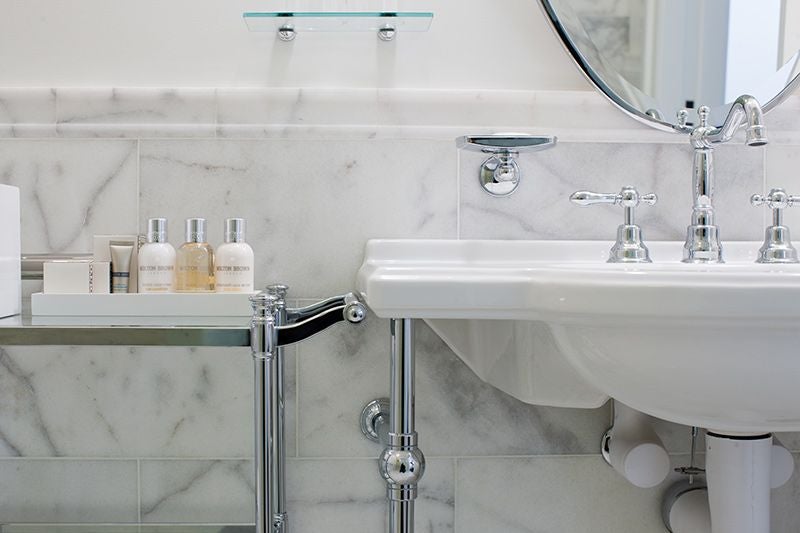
(128, 528)
(290, 22)
(27, 330)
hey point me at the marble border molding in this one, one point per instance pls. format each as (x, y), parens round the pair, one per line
(353, 114)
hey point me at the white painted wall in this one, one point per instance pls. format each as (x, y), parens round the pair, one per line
(472, 44)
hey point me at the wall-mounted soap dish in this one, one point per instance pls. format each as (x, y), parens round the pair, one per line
(500, 174)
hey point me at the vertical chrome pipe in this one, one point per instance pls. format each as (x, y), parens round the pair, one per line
(402, 463)
(268, 411)
(277, 418)
(403, 355)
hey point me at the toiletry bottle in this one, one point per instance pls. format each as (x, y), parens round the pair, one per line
(157, 259)
(195, 260)
(234, 260)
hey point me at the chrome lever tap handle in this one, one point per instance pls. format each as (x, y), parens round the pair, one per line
(777, 247)
(629, 247)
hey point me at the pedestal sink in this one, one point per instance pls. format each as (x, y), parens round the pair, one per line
(550, 322)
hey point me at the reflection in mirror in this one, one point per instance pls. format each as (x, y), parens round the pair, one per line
(658, 57)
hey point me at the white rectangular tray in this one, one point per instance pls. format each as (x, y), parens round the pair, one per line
(142, 305)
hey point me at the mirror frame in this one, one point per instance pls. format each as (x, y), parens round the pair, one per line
(596, 78)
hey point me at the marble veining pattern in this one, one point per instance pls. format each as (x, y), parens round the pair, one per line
(129, 402)
(71, 190)
(330, 196)
(540, 208)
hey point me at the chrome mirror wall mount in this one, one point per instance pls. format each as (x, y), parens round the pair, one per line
(777, 247)
(500, 175)
(629, 247)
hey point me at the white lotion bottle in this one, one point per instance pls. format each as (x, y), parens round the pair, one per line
(157, 259)
(234, 260)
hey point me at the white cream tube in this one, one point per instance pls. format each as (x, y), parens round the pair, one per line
(121, 252)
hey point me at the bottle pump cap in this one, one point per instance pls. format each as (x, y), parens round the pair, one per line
(157, 230)
(195, 230)
(234, 230)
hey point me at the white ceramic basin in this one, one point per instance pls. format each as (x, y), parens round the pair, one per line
(551, 323)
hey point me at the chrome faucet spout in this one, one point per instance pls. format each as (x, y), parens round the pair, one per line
(702, 236)
(745, 110)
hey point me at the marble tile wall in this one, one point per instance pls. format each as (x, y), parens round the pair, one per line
(163, 435)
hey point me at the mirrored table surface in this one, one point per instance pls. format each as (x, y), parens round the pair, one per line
(25, 329)
(125, 528)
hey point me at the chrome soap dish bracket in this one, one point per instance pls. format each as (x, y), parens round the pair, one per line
(500, 175)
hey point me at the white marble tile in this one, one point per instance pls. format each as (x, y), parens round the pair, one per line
(222, 492)
(457, 413)
(190, 491)
(310, 206)
(134, 112)
(297, 106)
(785, 511)
(130, 402)
(427, 113)
(71, 190)
(782, 171)
(540, 208)
(68, 491)
(344, 495)
(552, 495)
(576, 494)
(27, 112)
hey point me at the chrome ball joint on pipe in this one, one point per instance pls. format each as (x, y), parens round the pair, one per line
(391, 423)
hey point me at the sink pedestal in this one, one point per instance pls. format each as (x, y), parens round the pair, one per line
(738, 471)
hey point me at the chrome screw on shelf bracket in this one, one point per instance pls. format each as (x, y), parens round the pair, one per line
(387, 33)
(500, 175)
(286, 33)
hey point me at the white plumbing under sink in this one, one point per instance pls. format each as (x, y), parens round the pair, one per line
(550, 322)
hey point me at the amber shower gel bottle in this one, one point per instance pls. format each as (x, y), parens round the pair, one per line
(195, 260)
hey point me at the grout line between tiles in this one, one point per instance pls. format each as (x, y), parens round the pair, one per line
(297, 400)
(138, 185)
(458, 194)
(455, 494)
(139, 491)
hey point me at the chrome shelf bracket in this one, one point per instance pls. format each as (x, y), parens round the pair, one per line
(500, 174)
(273, 326)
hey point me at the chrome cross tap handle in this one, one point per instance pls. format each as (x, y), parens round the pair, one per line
(629, 247)
(777, 247)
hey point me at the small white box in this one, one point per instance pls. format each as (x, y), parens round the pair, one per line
(142, 305)
(102, 252)
(10, 273)
(77, 277)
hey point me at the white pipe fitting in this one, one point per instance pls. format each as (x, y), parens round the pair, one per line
(633, 448)
(739, 495)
